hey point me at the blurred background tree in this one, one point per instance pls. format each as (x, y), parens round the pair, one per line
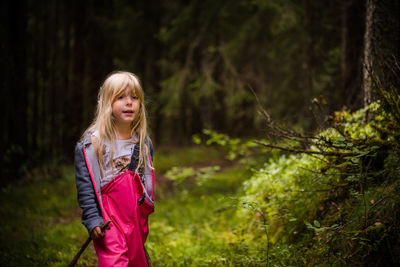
(197, 61)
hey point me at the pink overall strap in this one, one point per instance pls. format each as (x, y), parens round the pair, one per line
(91, 176)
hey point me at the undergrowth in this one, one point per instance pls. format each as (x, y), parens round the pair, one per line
(328, 199)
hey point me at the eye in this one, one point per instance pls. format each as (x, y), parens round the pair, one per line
(120, 97)
(135, 97)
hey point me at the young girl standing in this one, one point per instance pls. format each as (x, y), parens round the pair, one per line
(114, 173)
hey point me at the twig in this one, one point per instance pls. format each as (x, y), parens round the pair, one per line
(304, 151)
(329, 174)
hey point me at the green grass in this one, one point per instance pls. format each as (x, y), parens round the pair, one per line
(167, 157)
(194, 226)
(41, 225)
(41, 217)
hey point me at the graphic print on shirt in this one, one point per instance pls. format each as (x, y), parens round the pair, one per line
(122, 152)
(121, 164)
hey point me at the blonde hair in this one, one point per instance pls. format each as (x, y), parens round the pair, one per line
(115, 85)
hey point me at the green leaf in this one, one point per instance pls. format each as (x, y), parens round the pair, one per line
(196, 139)
(309, 226)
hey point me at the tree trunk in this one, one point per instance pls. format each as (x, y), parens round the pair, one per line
(353, 23)
(381, 47)
(67, 74)
(308, 52)
(74, 117)
(367, 62)
(17, 87)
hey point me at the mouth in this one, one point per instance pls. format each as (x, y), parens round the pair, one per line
(127, 112)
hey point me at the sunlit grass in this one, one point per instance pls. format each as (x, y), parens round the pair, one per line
(195, 226)
(167, 157)
(41, 218)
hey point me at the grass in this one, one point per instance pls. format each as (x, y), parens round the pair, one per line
(41, 225)
(195, 226)
(167, 157)
(41, 217)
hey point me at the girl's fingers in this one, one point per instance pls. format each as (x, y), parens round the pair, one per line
(101, 234)
(96, 233)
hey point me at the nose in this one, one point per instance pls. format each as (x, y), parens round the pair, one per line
(128, 100)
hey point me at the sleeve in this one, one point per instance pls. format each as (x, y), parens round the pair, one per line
(91, 212)
(149, 171)
(150, 145)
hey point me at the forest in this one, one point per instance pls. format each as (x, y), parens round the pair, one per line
(275, 125)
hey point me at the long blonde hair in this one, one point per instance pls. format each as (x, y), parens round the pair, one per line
(114, 85)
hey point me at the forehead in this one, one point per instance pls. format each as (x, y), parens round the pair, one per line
(123, 84)
(126, 91)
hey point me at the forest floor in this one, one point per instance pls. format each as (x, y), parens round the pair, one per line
(190, 227)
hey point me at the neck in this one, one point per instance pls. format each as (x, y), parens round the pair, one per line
(123, 132)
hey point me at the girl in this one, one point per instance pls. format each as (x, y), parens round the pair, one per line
(114, 173)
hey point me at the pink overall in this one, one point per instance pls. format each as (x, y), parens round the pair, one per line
(124, 204)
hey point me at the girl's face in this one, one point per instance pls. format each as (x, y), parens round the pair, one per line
(126, 107)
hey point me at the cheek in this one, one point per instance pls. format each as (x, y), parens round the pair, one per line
(138, 111)
(137, 105)
(116, 106)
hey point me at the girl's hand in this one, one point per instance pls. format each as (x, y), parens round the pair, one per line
(97, 233)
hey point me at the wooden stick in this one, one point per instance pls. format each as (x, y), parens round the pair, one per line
(87, 242)
(149, 262)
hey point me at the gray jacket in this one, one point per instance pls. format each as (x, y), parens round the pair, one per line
(87, 175)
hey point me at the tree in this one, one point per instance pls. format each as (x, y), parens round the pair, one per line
(353, 24)
(381, 46)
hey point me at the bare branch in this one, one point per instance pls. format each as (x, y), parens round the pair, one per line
(305, 151)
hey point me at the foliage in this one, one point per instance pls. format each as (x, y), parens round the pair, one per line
(196, 60)
(234, 45)
(201, 175)
(333, 199)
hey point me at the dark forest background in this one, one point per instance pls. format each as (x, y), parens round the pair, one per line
(293, 105)
(197, 60)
